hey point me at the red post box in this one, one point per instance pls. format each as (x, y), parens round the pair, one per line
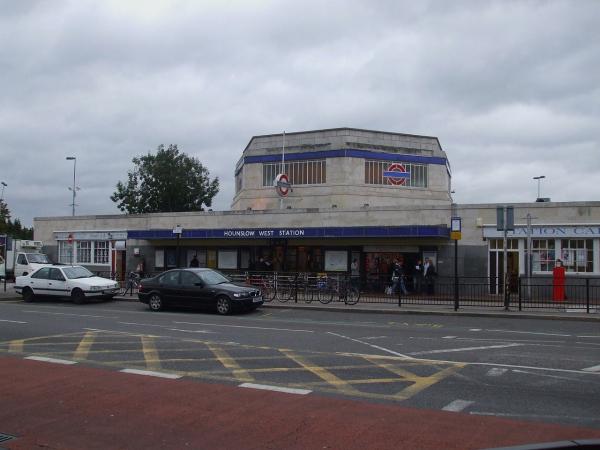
(558, 282)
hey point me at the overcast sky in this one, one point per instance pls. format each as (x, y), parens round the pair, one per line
(511, 89)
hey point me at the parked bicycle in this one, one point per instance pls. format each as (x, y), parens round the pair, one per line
(266, 283)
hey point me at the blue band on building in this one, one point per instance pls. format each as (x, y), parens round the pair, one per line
(414, 231)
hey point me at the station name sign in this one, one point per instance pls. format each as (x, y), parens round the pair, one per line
(297, 232)
(549, 231)
(435, 231)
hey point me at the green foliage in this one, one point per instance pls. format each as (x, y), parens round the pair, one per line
(12, 228)
(166, 182)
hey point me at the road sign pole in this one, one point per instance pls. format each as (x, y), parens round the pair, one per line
(505, 262)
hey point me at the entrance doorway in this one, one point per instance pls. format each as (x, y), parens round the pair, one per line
(496, 265)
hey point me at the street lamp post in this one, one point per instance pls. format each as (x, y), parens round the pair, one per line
(74, 189)
(539, 180)
(3, 186)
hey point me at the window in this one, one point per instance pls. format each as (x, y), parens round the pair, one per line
(543, 254)
(56, 274)
(43, 273)
(298, 172)
(227, 259)
(498, 244)
(188, 278)
(21, 259)
(170, 278)
(86, 252)
(101, 252)
(577, 255)
(374, 173)
(65, 252)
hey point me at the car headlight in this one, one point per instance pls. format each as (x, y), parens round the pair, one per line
(239, 294)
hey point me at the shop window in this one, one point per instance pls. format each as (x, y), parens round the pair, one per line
(84, 252)
(227, 259)
(543, 255)
(577, 255)
(336, 260)
(65, 252)
(159, 259)
(374, 174)
(101, 252)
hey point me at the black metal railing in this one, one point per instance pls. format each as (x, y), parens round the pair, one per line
(521, 293)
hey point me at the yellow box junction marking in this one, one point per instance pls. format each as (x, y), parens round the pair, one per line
(151, 356)
(321, 372)
(16, 346)
(230, 363)
(84, 346)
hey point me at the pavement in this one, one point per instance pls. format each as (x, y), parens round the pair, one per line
(393, 308)
(54, 406)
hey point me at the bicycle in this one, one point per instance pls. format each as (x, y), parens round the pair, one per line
(267, 285)
(133, 282)
(343, 290)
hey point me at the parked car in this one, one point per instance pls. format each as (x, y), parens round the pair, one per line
(76, 282)
(202, 288)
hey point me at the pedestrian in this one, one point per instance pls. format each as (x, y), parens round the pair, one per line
(418, 277)
(139, 270)
(194, 262)
(398, 278)
(429, 276)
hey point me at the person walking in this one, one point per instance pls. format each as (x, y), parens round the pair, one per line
(429, 276)
(398, 278)
(354, 274)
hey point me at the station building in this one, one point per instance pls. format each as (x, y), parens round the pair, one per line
(347, 194)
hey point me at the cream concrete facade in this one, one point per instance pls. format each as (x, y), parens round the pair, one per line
(345, 186)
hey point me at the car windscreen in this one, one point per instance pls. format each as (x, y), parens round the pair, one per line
(77, 272)
(38, 258)
(213, 277)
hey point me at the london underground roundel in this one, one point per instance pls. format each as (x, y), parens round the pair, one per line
(282, 185)
(396, 174)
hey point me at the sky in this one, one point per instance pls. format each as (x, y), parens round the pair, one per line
(510, 88)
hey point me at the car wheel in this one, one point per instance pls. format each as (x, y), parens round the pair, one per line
(78, 296)
(223, 305)
(155, 303)
(28, 295)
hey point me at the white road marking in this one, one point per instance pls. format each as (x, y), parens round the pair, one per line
(475, 329)
(596, 337)
(11, 321)
(593, 369)
(190, 331)
(245, 326)
(51, 360)
(67, 314)
(449, 337)
(530, 332)
(151, 373)
(457, 405)
(267, 387)
(371, 345)
(546, 375)
(496, 372)
(374, 337)
(464, 349)
(535, 416)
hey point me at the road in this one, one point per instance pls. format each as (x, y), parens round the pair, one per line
(538, 371)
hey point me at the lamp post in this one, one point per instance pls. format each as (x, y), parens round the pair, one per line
(541, 177)
(3, 186)
(74, 189)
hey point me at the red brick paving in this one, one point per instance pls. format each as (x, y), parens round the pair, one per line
(77, 407)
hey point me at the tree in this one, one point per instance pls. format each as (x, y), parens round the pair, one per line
(10, 228)
(166, 182)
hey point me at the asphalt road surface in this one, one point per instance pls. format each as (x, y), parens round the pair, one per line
(537, 371)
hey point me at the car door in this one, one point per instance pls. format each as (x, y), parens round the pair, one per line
(207, 294)
(57, 284)
(190, 289)
(169, 285)
(38, 281)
